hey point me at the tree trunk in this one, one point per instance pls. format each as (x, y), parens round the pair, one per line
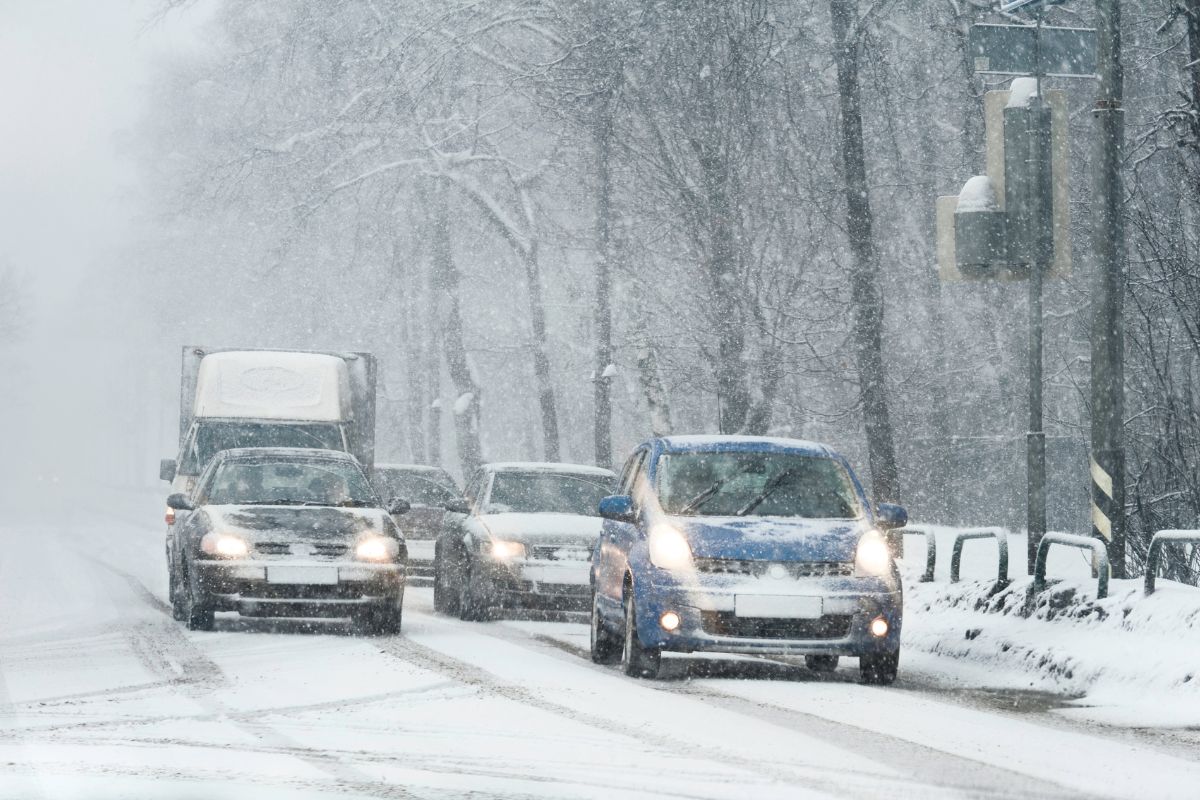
(652, 387)
(469, 395)
(864, 286)
(720, 247)
(414, 346)
(541, 361)
(603, 384)
(432, 367)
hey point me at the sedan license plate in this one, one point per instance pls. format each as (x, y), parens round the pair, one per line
(323, 576)
(777, 606)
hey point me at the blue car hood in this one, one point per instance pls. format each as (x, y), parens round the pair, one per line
(772, 538)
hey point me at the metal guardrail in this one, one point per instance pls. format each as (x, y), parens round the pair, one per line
(1154, 553)
(930, 548)
(1001, 537)
(1099, 551)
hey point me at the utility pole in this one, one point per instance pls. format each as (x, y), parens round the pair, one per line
(1013, 222)
(1108, 294)
(1039, 235)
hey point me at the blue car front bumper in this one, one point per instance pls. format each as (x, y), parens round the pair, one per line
(712, 619)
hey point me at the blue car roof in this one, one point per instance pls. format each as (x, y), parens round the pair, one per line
(744, 444)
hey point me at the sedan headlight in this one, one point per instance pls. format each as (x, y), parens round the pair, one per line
(669, 549)
(224, 545)
(504, 551)
(873, 556)
(377, 548)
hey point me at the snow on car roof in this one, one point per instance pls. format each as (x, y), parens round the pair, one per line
(744, 443)
(412, 468)
(548, 466)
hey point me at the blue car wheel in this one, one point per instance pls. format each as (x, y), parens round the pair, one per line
(637, 661)
(606, 647)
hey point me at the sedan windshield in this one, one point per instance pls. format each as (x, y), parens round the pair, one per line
(312, 483)
(546, 493)
(758, 484)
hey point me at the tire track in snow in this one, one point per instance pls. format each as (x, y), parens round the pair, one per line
(810, 777)
(161, 646)
(926, 766)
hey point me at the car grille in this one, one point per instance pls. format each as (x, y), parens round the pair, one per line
(725, 623)
(758, 567)
(330, 551)
(560, 553)
(287, 591)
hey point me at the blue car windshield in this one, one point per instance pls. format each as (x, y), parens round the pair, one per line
(756, 484)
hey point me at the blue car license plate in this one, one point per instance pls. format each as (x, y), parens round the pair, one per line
(777, 606)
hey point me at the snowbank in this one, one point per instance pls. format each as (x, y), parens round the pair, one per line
(1126, 660)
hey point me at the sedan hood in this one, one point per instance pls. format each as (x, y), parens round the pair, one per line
(560, 529)
(262, 523)
(772, 538)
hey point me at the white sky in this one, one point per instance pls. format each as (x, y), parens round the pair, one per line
(73, 75)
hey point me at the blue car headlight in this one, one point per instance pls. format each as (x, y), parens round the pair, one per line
(669, 549)
(872, 558)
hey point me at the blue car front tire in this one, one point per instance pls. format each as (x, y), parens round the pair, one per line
(637, 660)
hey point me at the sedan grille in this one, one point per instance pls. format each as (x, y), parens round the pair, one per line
(725, 623)
(560, 553)
(758, 567)
(331, 551)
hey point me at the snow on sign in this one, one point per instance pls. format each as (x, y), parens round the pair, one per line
(1013, 50)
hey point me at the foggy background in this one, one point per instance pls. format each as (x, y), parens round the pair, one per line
(308, 175)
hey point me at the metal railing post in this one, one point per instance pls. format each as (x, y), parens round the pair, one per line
(1099, 551)
(962, 537)
(1154, 553)
(930, 549)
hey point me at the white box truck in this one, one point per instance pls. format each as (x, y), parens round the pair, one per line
(271, 398)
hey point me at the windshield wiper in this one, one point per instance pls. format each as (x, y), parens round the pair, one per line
(355, 503)
(767, 491)
(700, 499)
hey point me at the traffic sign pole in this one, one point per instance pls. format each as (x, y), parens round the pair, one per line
(1108, 292)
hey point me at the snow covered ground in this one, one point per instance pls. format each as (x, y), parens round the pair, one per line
(102, 695)
(1128, 660)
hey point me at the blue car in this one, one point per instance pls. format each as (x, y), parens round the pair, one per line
(736, 544)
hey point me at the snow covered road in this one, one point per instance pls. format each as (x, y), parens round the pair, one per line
(103, 695)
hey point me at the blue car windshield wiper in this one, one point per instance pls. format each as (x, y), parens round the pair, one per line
(767, 491)
(700, 499)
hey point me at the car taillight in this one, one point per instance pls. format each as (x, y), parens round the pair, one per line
(170, 516)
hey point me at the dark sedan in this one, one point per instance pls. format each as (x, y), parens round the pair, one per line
(428, 490)
(286, 532)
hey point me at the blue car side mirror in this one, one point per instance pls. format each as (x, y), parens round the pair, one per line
(890, 515)
(617, 507)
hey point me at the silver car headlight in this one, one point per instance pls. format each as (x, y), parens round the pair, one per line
(503, 550)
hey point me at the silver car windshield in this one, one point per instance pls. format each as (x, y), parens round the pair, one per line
(756, 484)
(546, 492)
